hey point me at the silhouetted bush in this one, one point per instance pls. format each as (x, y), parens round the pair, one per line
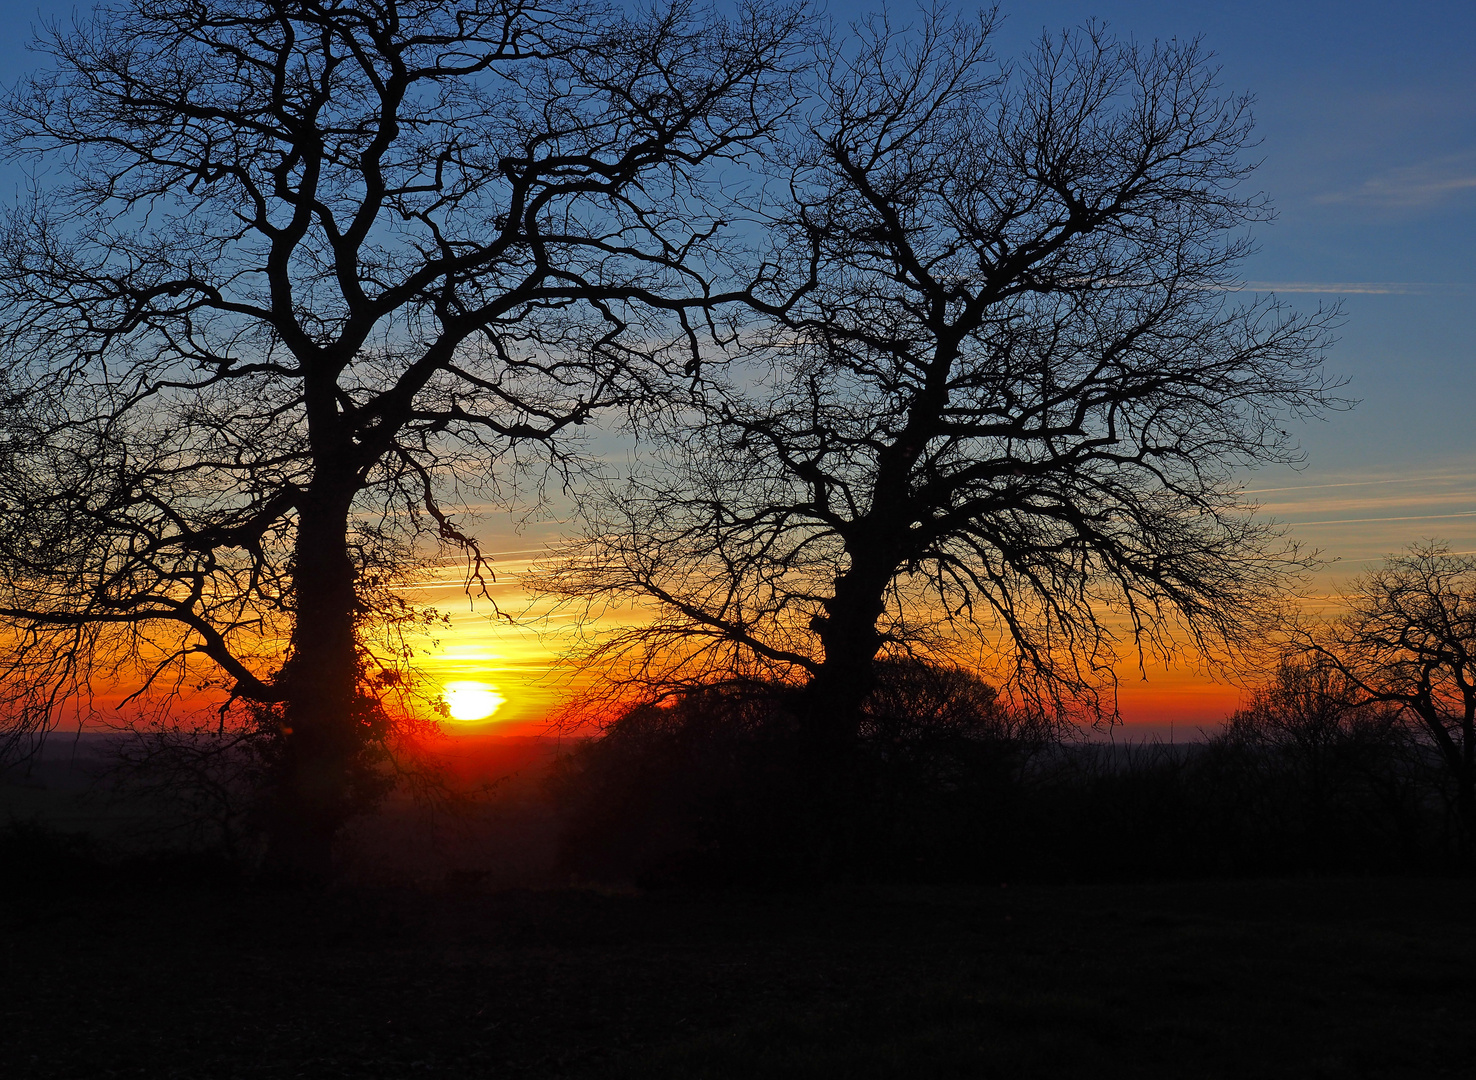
(715, 786)
(718, 786)
(42, 861)
(1326, 784)
(199, 790)
(38, 858)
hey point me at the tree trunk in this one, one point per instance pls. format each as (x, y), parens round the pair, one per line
(321, 734)
(1466, 785)
(848, 634)
(1460, 763)
(840, 796)
(879, 543)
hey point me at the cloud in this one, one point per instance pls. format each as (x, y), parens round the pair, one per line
(1358, 520)
(1351, 288)
(1421, 186)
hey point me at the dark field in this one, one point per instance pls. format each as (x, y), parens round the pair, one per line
(1295, 978)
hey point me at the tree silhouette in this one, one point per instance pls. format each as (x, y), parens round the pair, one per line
(1408, 639)
(1003, 388)
(297, 274)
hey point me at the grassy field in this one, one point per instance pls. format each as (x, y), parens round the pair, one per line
(1303, 978)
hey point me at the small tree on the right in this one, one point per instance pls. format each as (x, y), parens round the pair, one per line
(1408, 638)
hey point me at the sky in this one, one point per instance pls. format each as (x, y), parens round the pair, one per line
(1367, 118)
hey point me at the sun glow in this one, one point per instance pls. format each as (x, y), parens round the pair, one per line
(469, 701)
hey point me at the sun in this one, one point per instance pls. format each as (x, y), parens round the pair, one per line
(472, 700)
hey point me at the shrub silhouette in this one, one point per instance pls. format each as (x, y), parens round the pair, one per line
(717, 786)
(1329, 782)
(720, 785)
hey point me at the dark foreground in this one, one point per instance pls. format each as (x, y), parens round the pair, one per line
(1351, 978)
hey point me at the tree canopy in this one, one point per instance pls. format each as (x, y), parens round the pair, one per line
(296, 278)
(1407, 639)
(931, 355)
(1001, 392)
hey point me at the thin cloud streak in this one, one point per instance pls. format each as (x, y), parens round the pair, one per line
(1356, 522)
(1423, 185)
(1366, 521)
(1362, 288)
(1358, 483)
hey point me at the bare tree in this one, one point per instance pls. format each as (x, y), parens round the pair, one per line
(295, 273)
(1004, 389)
(1309, 725)
(1408, 639)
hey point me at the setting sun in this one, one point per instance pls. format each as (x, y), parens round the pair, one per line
(472, 700)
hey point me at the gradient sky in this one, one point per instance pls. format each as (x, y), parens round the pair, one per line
(1367, 115)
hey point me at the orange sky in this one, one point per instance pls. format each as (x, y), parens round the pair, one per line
(1354, 520)
(515, 653)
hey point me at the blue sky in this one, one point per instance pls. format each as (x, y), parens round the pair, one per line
(1367, 118)
(1367, 115)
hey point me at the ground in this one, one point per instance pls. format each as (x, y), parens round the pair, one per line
(1304, 978)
